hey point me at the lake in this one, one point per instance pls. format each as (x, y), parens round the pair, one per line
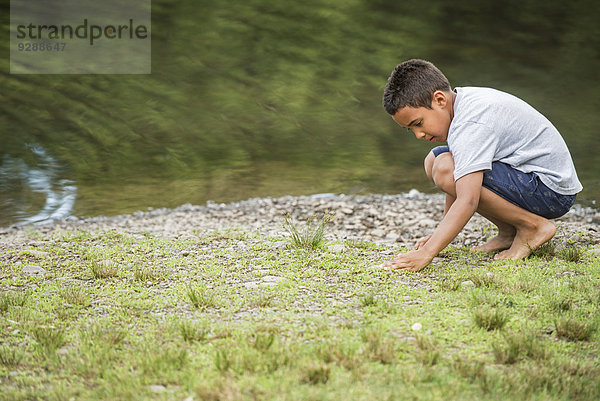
(255, 98)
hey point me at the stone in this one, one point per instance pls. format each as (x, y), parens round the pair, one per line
(33, 269)
(336, 248)
(416, 327)
(280, 245)
(467, 283)
(39, 254)
(157, 388)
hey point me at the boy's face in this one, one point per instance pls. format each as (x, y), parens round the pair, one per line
(429, 124)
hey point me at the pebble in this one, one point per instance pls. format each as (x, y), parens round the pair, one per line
(157, 388)
(336, 248)
(33, 269)
(372, 217)
(39, 254)
(467, 283)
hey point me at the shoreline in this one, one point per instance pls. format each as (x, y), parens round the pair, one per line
(394, 219)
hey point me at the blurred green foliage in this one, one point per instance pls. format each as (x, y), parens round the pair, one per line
(241, 83)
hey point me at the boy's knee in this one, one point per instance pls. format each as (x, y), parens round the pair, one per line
(442, 172)
(428, 163)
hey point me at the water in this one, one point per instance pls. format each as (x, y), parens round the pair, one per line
(251, 99)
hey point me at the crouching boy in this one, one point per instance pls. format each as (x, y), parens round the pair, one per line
(503, 160)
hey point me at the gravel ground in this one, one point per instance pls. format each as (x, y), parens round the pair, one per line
(396, 219)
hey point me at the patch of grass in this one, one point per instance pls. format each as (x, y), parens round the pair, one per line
(570, 253)
(315, 372)
(490, 318)
(49, 339)
(368, 299)
(202, 297)
(9, 299)
(11, 356)
(378, 347)
(428, 352)
(336, 328)
(104, 269)
(145, 273)
(516, 346)
(75, 295)
(546, 251)
(312, 236)
(561, 303)
(192, 331)
(572, 329)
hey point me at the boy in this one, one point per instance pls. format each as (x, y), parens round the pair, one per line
(504, 160)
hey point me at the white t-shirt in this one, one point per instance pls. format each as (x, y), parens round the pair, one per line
(490, 125)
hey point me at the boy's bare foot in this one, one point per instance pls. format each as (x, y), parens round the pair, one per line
(528, 239)
(500, 242)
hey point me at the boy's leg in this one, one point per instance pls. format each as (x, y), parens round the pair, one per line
(531, 230)
(444, 176)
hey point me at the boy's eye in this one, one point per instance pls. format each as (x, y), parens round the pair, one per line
(419, 124)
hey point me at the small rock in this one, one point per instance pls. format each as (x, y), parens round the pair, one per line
(39, 254)
(157, 388)
(251, 285)
(379, 233)
(467, 283)
(280, 245)
(347, 210)
(33, 269)
(595, 251)
(489, 274)
(417, 326)
(336, 248)
(185, 253)
(430, 223)
(272, 279)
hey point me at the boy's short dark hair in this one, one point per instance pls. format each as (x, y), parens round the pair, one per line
(412, 84)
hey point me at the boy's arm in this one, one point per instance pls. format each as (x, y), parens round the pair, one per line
(468, 189)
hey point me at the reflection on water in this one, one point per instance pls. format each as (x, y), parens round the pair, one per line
(34, 194)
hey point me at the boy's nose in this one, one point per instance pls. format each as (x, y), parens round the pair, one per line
(419, 134)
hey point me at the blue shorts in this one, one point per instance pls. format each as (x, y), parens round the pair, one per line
(525, 190)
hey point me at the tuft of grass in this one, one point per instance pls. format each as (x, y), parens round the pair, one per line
(49, 339)
(489, 318)
(193, 331)
(368, 299)
(312, 236)
(570, 254)
(11, 356)
(546, 251)
(103, 269)
(11, 298)
(429, 353)
(517, 346)
(562, 304)
(572, 329)
(223, 359)
(262, 340)
(201, 298)
(75, 296)
(316, 373)
(145, 274)
(379, 348)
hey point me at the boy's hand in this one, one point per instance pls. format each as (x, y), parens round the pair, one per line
(422, 242)
(410, 261)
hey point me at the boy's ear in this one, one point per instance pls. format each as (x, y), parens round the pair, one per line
(440, 98)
